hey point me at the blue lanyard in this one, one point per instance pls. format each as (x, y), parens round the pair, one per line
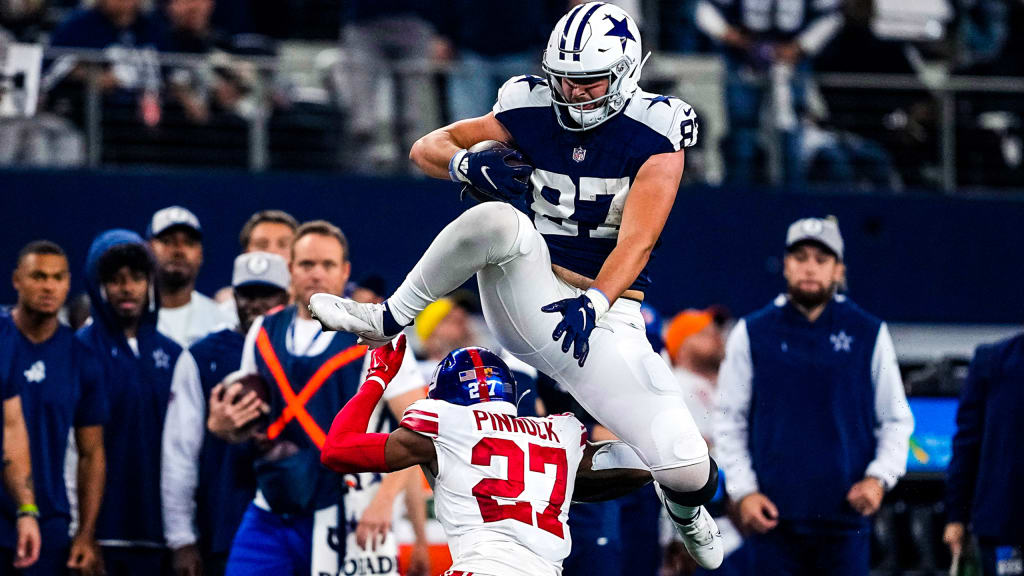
(291, 334)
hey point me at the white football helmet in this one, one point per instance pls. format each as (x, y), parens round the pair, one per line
(593, 41)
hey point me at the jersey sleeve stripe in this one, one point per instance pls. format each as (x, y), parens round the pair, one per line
(421, 414)
(420, 425)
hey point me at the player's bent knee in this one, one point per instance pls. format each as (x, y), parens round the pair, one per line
(487, 224)
(689, 477)
(676, 438)
(492, 215)
(692, 485)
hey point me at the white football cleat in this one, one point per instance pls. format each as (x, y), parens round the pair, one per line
(341, 314)
(703, 540)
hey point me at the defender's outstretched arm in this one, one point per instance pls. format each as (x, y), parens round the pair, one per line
(349, 448)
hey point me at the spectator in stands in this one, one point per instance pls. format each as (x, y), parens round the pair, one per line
(983, 487)
(177, 242)
(21, 18)
(136, 367)
(39, 139)
(60, 392)
(988, 38)
(695, 343)
(482, 62)
(189, 32)
(394, 41)
(769, 43)
(128, 38)
(678, 30)
(207, 483)
(218, 84)
(20, 544)
(189, 29)
(839, 157)
(981, 31)
(811, 424)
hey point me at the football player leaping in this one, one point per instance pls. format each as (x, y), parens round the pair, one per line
(601, 161)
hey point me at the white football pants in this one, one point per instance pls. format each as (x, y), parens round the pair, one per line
(624, 384)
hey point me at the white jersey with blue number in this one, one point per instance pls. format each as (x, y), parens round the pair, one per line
(582, 179)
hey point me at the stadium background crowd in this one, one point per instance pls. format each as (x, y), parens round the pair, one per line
(916, 98)
(269, 85)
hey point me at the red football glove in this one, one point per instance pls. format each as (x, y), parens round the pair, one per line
(348, 447)
(386, 361)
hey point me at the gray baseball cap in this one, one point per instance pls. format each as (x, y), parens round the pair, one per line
(261, 268)
(824, 231)
(171, 217)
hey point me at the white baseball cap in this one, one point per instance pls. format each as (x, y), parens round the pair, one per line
(171, 217)
(824, 231)
(261, 268)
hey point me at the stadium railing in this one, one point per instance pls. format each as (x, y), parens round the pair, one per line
(293, 112)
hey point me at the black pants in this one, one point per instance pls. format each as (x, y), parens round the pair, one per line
(136, 561)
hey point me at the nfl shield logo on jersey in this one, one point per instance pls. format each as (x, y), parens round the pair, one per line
(578, 154)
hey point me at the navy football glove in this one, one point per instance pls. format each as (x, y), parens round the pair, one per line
(495, 173)
(579, 317)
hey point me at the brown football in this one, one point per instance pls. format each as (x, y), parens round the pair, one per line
(495, 144)
(253, 383)
(258, 384)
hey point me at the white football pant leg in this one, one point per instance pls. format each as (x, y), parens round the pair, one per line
(485, 234)
(624, 384)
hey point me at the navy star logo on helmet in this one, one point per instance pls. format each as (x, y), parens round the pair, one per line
(620, 29)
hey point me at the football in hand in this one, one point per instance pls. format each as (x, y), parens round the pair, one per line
(258, 384)
(253, 383)
(482, 195)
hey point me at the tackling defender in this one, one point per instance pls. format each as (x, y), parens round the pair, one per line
(502, 483)
(601, 161)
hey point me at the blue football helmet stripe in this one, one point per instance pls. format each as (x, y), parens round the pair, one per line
(579, 31)
(565, 31)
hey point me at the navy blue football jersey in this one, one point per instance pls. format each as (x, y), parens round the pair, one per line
(581, 179)
(60, 386)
